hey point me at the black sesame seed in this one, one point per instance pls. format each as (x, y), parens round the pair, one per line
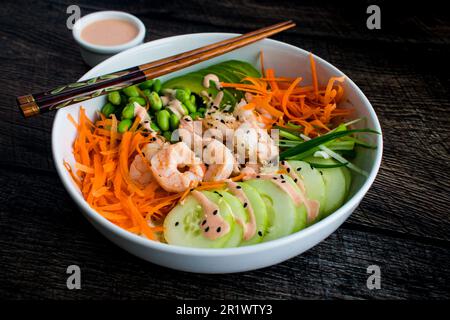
(245, 204)
(223, 121)
(299, 168)
(321, 172)
(215, 212)
(288, 170)
(207, 229)
(146, 121)
(210, 95)
(281, 176)
(176, 223)
(258, 176)
(295, 180)
(218, 229)
(283, 162)
(260, 233)
(143, 154)
(274, 178)
(203, 223)
(187, 119)
(283, 181)
(237, 118)
(238, 187)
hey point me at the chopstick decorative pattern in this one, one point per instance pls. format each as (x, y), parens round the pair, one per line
(62, 96)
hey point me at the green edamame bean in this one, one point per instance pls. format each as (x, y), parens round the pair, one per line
(181, 95)
(157, 85)
(108, 109)
(167, 135)
(128, 111)
(124, 125)
(174, 122)
(162, 118)
(146, 85)
(192, 98)
(139, 100)
(131, 91)
(154, 127)
(114, 97)
(155, 101)
(185, 109)
(196, 115)
(191, 107)
(146, 92)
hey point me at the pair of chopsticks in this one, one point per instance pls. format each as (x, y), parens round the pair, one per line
(62, 96)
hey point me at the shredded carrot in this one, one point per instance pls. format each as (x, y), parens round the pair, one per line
(280, 100)
(102, 161)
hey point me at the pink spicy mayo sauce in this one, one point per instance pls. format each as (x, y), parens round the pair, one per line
(109, 32)
(250, 226)
(213, 225)
(312, 206)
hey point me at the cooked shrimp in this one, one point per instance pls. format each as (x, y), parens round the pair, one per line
(140, 171)
(140, 167)
(190, 132)
(220, 161)
(244, 115)
(166, 165)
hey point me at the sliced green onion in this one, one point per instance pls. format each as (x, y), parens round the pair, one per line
(341, 159)
(323, 165)
(288, 135)
(360, 143)
(342, 145)
(310, 144)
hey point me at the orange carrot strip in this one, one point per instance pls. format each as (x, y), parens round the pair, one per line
(314, 76)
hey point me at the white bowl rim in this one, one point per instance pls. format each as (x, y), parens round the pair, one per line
(163, 247)
(103, 15)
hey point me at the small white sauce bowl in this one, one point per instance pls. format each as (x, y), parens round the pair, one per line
(93, 54)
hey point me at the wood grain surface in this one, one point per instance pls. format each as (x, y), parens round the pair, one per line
(402, 225)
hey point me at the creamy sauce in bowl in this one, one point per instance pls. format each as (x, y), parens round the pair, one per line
(109, 32)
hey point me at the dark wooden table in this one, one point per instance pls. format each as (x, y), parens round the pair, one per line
(402, 225)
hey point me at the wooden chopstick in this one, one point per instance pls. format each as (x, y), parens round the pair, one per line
(63, 96)
(46, 96)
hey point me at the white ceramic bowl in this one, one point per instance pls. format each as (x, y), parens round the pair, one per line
(93, 54)
(287, 61)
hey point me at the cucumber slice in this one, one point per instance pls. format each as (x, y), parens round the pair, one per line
(312, 179)
(260, 211)
(182, 224)
(302, 215)
(238, 213)
(348, 180)
(335, 186)
(280, 207)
